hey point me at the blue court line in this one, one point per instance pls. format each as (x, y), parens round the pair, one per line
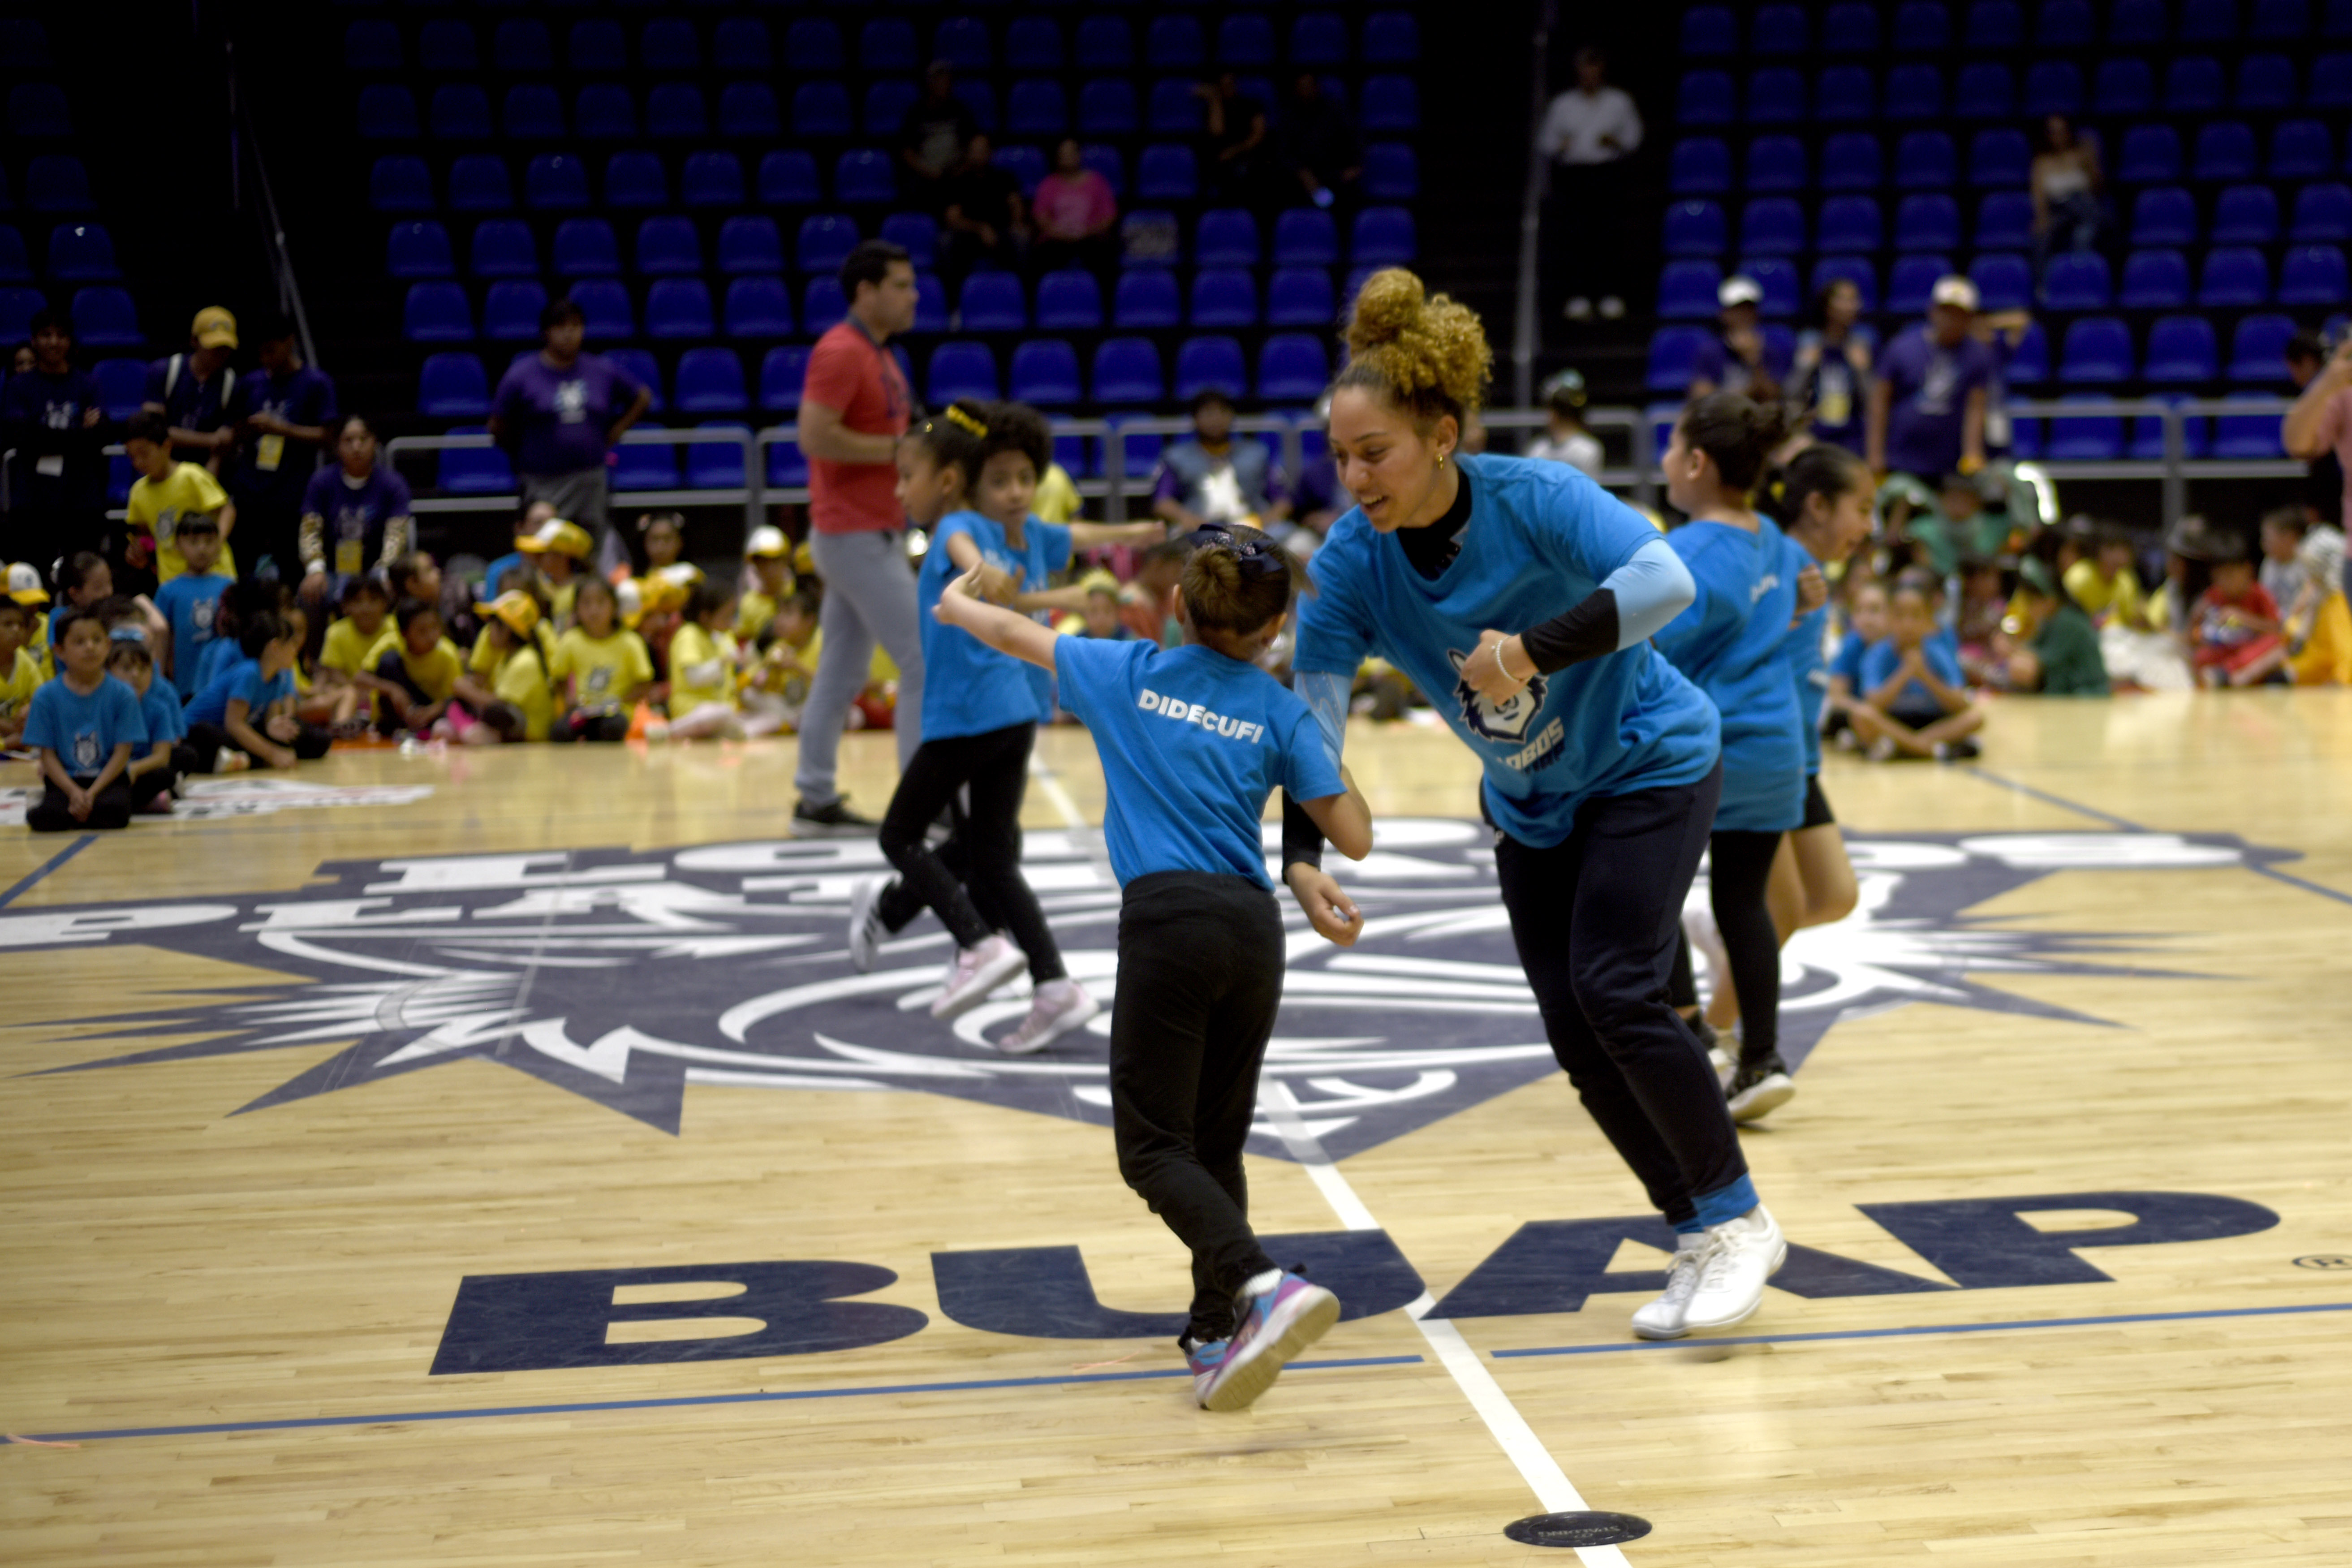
(2275, 874)
(1613, 1347)
(54, 861)
(762, 1398)
(2047, 799)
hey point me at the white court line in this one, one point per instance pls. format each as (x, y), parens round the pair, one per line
(1553, 1489)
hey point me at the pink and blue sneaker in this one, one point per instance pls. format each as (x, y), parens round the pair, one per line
(1203, 1360)
(1281, 1315)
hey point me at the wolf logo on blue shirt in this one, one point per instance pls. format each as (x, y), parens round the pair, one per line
(1505, 722)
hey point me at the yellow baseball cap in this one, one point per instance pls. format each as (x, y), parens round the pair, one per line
(1099, 582)
(767, 541)
(558, 537)
(214, 328)
(25, 584)
(660, 594)
(518, 609)
(682, 574)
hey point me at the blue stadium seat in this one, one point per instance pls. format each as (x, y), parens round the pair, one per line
(2164, 216)
(931, 315)
(1710, 30)
(1770, 225)
(887, 45)
(2155, 280)
(453, 386)
(1915, 92)
(1986, 91)
(473, 470)
(2123, 87)
(747, 109)
(917, 234)
(1165, 172)
(2208, 21)
(675, 110)
(1993, 25)
(1032, 43)
(1319, 39)
(400, 183)
(1925, 160)
(1999, 158)
(58, 184)
(1776, 96)
(17, 308)
(2053, 86)
(1174, 109)
(2064, 25)
(2193, 86)
(1777, 277)
(1069, 300)
(2234, 276)
(1392, 171)
(1245, 40)
(1106, 107)
(1026, 165)
(121, 385)
(757, 306)
(1037, 107)
(822, 306)
(1776, 164)
(712, 179)
(1104, 44)
(2003, 280)
(1849, 223)
(520, 47)
(1149, 236)
(821, 109)
(479, 183)
(668, 43)
(2084, 437)
(2147, 443)
(2244, 436)
(2313, 275)
(2302, 150)
(596, 46)
(1306, 236)
(668, 245)
(1207, 363)
(2151, 156)
(554, 183)
(2265, 84)
(1300, 297)
(1226, 237)
(1674, 353)
(2005, 221)
(610, 318)
(510, 309)
(1846, 95)
(826, 240)
(1851, 162)
(84, 253)
(1695, 228)
(1851, 28)
(2077, 280)
(864, 175)
(1922, 28)
(994, 302)
(1174, 42)
(1780, 30)
(1687, 289)
(1382, 236)
(530, 112)
(782, 373)
(643, 465)
(788, 179)
(15, 264)
(387, 113)
(1701, 165)
(715, 465)
(709, 380)
(37, 109)
(503, 248)
(432, 313)
(2224, 151)
(635, 180)
(2323, 215)
(1390, 37)
(2182, 352)
(1146, 298)
(1704, 97)
(1127, 370)
(2029, 361)
(1390, 104)
(1854, 270)
(2246, 215)
(2331, 82)
(963, 42)
(2280, 20)
(1225, 297)
(1045, 374)
(584, 248)
(419, 249)
(1911, 279)
(373, 45)
(814, 47)
(2258, 348)
(1928, 222)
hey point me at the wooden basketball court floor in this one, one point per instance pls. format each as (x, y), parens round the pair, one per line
(446, 1296)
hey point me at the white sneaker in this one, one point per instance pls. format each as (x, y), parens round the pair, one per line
(1726, 1068)
(977, 971)
(1881, 750)
(1699, 927)
(1060, 1007)
(867, 931)
(1662, 1319)
(1741, 1255)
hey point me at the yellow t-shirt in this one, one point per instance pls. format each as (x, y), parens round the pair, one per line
(484, 659)
(1057, 500)
(753, 611)
(345, 647)
(2326, 655)
(561, 598)
(608, 669)
(702, 670)
(17, 690)
(435, 674)
(2102, 599)
(155, 509)
(521, 678)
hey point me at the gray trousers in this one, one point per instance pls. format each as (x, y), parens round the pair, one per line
(576, 497)
(869, 597)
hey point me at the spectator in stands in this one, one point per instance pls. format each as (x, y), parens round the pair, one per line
(558, 411)
(1213, 478)
(1076, 214)
(1318, 142)
(1565, 440)
(1737, 359)
(49, 416)
(1927, 400)
(982, 212)
(854, 408)
(2319, 428)
(937, 129)
(192, 389)
(284, 415)
(1832, 368)
(1236, 140)
(356, 515)
(2067, 185)
(1588, 134)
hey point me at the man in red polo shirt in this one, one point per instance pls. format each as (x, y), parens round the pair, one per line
(854, 407)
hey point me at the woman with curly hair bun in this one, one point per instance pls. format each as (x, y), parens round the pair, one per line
(1522, 596)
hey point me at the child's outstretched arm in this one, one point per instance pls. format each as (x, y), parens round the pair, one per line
(960, 604)
(1345, 819)
(1096, 535)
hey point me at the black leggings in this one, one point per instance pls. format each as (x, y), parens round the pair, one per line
(111, 808)
(1739, 868)
(1596, 919)
(205, 743)
(159, 781)
(1199, 981)
(994, 768)
(603, 723)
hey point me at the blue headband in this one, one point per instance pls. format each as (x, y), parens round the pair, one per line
(128, 633)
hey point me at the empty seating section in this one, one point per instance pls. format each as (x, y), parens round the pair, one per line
(1887, 141)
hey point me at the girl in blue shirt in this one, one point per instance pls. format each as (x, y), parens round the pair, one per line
(1521, 597)
(1193, 741)
(151, 774)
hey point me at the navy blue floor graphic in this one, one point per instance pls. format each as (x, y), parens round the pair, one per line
(624, 977)
(983, 1384)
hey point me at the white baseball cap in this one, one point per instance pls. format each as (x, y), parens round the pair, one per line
(767, 540)
(1740, 289)
(1955, 290)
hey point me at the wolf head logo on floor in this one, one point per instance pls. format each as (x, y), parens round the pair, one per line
(624, 977)
(1497, 721)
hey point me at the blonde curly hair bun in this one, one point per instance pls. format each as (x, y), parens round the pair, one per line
(1426, 352)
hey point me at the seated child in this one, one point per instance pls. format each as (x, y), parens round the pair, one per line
(560, 551)
(415, 673)
(600, 669)
(2106, 584)
(343, 651)
(85, 725)
(2319, 626)
(332, 706)
(2062, 659)
(526, 523)
(154, 773)
(191, 601)
(2281, 574)
(769, 554)
(1912, 703)
(1101, 618)
(85, 582)
(522, 703)
(1984, 602)
(702, 674)
(1866, 616)
(779, 681)
(2235, 637)
(246, 715)
(662, 535)
(20, 672)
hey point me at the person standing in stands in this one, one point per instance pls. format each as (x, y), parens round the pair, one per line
(284, 415)
(1832, 367)
(1927, 400)
(2319, 425)
(1589, 132)
(1737, 359)
(982, 216)
(49, 417)
(192, 389)
(854, 408)
(558, 411)
(2066, 181)
(934, 134)
(1318, 144)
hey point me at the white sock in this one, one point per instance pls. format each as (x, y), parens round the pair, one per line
(1259, 1284)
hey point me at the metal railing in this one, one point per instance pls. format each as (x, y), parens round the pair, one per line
(2175, 468)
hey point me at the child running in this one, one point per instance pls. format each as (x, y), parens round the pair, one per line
(1193, 739)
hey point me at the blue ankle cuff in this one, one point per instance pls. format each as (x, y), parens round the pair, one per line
(1689, 1227)
(1727, 1204)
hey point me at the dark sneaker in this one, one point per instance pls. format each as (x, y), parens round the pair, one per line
(832, 820)
(1758, 1089)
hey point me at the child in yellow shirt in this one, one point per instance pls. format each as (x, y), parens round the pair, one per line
(167, 491)
(522, 700)
(600, 669)
(769, 554)
(702, 674)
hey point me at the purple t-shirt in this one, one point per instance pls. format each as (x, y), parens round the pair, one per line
(274, 471)
(1715, 363)
(354, 515)
(555, 420)
(1930, 386)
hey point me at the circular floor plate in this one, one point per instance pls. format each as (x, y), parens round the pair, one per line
(1577, 1528)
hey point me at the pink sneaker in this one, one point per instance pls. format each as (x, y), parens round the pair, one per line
(1204, 1361)
(976, 971)
(1279, 1321)
(1060, 1007)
